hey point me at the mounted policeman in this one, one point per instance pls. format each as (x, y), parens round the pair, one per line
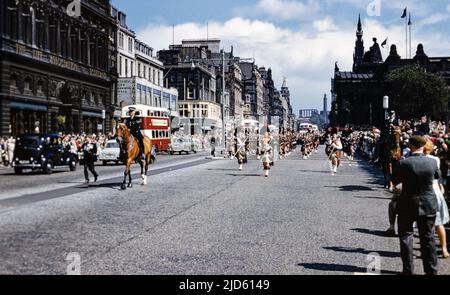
(134, 125)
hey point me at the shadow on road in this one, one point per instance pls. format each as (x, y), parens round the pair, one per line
(311, 171)
(378, 233)
(245, 175)
(352, 188)
(378, 181)
(340, 268)
(377, 198)
(114, 186)
(388, 254)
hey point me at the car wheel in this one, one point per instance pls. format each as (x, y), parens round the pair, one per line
(105, 163)
(187, 152)
(48, 168)
(18, 171)
(73, 165)
(195, 152)
(116, 163)
(179, 153)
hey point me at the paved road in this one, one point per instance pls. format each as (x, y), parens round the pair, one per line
(206, 217)
(31, 182)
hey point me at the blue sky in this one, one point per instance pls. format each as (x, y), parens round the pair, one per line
(299, 39)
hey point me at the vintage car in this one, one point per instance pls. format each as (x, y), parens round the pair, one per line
(42, 151)
(111, 153)
(183, 145)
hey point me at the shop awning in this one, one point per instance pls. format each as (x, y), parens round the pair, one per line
(92, 114)
(28, 106)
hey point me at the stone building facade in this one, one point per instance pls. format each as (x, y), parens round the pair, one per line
(58, 70)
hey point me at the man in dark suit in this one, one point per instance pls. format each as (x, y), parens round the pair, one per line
(417, 203)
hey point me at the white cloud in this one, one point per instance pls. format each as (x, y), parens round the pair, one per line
(306, 55)
(280, 9)
(434, 19)
(326, 24)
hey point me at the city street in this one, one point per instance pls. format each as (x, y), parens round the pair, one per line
(201, 216)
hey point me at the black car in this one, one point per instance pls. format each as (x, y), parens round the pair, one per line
(42, 151)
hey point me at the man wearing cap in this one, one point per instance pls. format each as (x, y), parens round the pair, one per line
(134, 124)
(89, 149)
(417, 203)
(392, 122)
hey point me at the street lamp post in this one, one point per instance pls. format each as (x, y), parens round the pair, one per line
(386, 106)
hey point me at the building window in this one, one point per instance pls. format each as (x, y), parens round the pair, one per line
(13, 82)
(139, 69)
(40, 30)
(26, 24)
(121, 40)
(120, 67)
(40, 86)
(11, 15)
(190, 93)
(130, 45)
(145, 73)
(27, 84)
(126, 67)
(131, 69)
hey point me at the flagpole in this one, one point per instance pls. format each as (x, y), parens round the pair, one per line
(410, 36)
(406, 31)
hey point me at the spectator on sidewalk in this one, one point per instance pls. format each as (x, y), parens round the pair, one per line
(2, 152)
(417, 203)
(10, 146)
(213, 146)
(442, 215)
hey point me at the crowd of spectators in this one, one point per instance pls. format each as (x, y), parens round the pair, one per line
(367, 141)
(73, 141)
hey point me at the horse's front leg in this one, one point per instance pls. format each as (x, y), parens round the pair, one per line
(123, 187)
(129, 179)
(143, 176)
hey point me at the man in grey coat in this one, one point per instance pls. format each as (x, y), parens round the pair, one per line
(417, 203)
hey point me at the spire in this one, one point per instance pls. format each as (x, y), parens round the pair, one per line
(359, 24)
(284, 82)
(358, 55)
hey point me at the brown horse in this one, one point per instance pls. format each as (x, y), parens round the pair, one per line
(132, 153)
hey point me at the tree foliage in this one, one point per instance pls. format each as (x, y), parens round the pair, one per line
(414, 93)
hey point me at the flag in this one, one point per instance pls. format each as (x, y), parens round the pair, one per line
(384, 43)
(410, 22)
(405, 12)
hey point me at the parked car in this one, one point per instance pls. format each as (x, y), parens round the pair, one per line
(183, 145)
(42, 151)
(111, 153)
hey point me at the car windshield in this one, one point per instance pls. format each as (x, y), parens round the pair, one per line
(112, 145)
(29, 141)
(53, 141)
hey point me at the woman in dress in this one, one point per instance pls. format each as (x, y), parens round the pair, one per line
(442, 215)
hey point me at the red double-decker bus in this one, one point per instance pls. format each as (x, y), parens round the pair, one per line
(155, 124)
